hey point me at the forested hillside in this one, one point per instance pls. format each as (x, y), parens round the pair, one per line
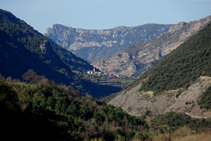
(74, 62)
(183, 66)
(22, 48)
(45, 110)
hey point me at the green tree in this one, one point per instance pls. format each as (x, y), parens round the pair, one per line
(141, 137)
(32, 76)
(51, 102)
(58, 106)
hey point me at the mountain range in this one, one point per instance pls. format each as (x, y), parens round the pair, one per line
(139, 57)
(94, 45)
(179, 82)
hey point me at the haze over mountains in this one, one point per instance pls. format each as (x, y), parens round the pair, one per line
(98, 44)
(139, 57)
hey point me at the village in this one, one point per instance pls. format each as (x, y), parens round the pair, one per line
(99, 73)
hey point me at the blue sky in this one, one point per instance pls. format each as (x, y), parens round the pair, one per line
(105, 14)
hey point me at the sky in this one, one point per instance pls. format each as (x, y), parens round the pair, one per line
(105, 14)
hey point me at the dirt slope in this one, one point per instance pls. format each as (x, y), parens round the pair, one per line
(180, 100)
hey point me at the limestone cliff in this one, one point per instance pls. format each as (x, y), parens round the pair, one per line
(99, 44)
(139, 57)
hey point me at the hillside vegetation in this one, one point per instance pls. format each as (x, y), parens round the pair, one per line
(182, 66)
(74, 62)
(179, 82)
(205, 99)
(50, 111)
(46, 111)
(22, 48)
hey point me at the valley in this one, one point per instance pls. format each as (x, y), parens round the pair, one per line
(157, 87)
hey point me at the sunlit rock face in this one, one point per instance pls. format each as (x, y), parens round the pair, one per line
(139, 57)
(94, 45)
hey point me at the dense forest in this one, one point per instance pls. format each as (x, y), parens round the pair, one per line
(60, 111)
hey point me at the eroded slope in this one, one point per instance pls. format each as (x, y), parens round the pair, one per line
(137, 102)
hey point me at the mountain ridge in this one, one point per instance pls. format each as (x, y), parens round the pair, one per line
(25, 53)
(9, 17)
(139, 57)
(93, 44)
(75, 63)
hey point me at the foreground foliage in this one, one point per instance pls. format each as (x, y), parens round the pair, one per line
(30, 122)
(49, 106)
(45, 110)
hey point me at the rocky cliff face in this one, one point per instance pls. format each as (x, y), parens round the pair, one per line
(139, 57)
(99, 44)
